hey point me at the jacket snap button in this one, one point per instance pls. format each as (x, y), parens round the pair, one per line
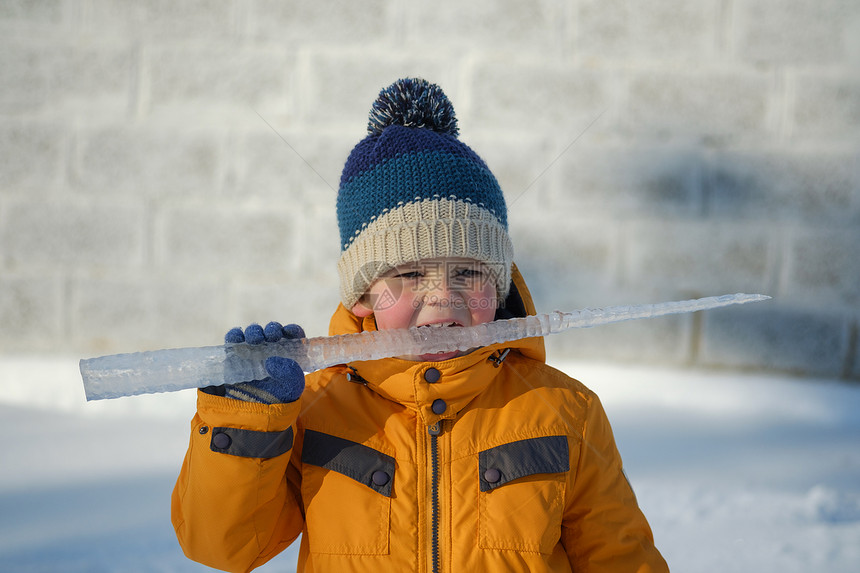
(221, 441)
(432, 375)
(492, 475)
(439, 406)
(380, 477)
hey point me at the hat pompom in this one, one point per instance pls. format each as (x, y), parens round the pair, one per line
(413, 102)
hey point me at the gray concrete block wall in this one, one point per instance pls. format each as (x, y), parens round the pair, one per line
(169, 169)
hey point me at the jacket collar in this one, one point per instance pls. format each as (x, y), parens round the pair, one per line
(408, 383)
(460, 380)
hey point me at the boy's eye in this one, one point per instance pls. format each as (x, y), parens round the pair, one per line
(467, 273)
(409, 275)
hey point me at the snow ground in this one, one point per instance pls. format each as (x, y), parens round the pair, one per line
(735, 473)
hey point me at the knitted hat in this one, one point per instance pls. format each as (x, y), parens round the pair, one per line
(411, 190)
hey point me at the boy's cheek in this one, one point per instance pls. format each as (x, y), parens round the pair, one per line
(484, 310)
(396, 314)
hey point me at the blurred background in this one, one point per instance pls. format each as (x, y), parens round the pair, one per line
(169, 169)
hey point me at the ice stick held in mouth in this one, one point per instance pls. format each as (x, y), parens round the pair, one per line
(181, 368)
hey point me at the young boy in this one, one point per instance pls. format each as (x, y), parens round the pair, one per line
(486, 460)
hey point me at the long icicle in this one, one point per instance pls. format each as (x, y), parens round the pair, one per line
(181, 368)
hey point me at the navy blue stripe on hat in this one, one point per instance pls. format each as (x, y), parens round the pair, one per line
(397, 140)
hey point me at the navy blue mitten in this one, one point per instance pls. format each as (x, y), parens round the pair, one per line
(285, 382)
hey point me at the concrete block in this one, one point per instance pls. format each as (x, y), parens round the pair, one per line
(525, 165)
(295, 167)
(340, 87)
(131, 314)
(650, 29)
(718, 104)
(225, 240)
(24, 79)
(31, 156)
(827, 106)
(298, 173)
(823, 268)
(231, 78)
(30, 307)
(567, 262)
(94, 78)
(316, 243)
(796, 32)
(573, 266)
(61, 234)
(270, 167)
(305, 299)
(811, 187)
(487, 25)
(25, 13)
(855, 367)
(539, 98)
(697, 258)
(61, 78)
(768, 336)
(613, 180)
(161, 19)
(299, 22)
(146, 163)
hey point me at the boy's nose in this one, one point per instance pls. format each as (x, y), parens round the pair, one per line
(440, 292)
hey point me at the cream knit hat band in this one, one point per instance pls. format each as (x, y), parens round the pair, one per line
(426, 229)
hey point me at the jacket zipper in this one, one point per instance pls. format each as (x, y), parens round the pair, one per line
(434, 430)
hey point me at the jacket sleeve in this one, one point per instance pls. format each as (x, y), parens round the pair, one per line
(603, 528)
(232, 507)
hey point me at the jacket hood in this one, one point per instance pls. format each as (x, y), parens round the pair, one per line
(461, 379)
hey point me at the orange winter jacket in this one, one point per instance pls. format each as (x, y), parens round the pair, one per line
(479, 463)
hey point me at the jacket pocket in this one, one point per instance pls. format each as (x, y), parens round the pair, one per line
(347, 489)
(522, 494)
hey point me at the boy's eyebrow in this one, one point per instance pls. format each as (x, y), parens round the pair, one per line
(466, 265)
(401, 269)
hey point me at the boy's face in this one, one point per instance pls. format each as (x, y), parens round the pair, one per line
(433, 293)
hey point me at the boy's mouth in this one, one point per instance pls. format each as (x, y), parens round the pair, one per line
(438, 356)
(443, 324)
